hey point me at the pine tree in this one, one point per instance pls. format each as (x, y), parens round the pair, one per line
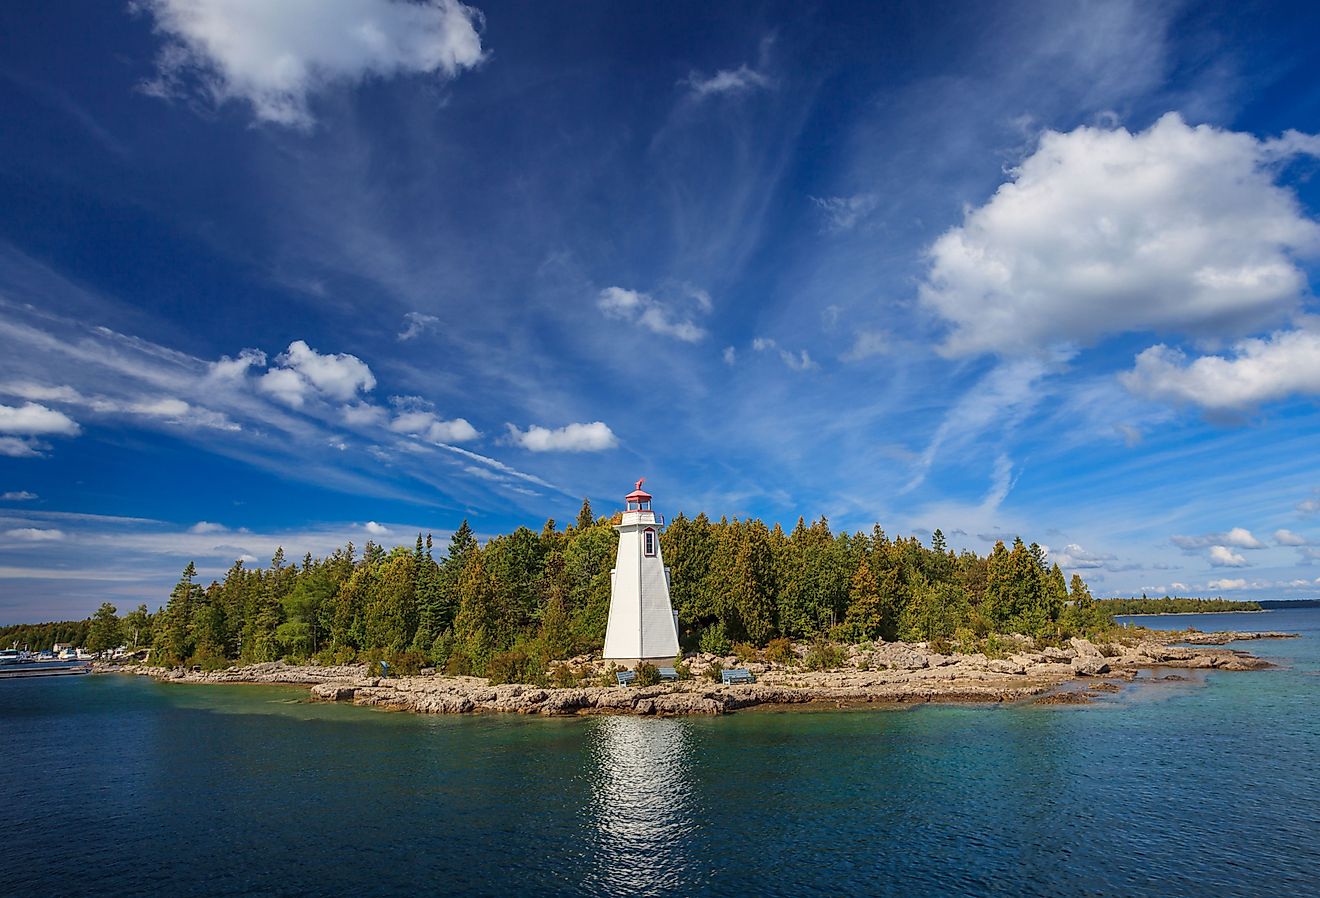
(865, 616)
(585, 517)
(105, 632)
(172, 643)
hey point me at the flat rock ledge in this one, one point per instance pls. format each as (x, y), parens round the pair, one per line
(884, 674)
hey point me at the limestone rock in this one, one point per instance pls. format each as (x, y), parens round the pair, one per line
(1089, 666)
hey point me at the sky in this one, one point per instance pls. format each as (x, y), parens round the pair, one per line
(298, 273)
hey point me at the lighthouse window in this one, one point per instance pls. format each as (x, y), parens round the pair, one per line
(648, 541)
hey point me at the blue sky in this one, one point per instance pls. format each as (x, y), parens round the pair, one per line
(322, 270)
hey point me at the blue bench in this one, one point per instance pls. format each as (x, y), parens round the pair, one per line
(626, 677)
(668, 673)
(736, 675)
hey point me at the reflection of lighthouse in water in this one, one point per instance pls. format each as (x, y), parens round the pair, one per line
(642, 626)
(642, 807)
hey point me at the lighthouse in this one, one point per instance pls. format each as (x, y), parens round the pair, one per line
(642, 624)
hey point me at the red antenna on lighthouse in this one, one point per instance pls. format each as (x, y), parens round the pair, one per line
(640, 481)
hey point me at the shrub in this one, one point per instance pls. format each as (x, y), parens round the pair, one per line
(681, 668)
(745, 651)
(780, 651)
(714, 671)
(714, 641)
(517, 665)
(994, 647)
(458, 664)
(942, 644)
(408, 663)
(564, 677)
(647, 674)
(824, 655)
(964, 641)
(609, 676)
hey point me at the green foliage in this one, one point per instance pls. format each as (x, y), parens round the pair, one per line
(824, 655)
(714, 641)
(713, 671)
(745, 652)
(106, 632)
(548, 593)
(517, 665)
(780, 651)
(647, 675)
(1172, 605)
(681, 668)
(562, 676)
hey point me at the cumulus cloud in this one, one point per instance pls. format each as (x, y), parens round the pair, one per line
(35, 534)
(31, 419)
(1238, 537)
(207, 527)
(431, 427)
(302, 372)
(1104, 231)
(17, 496)
(843, 213)
(1222, 556)
(1074, 557)
(274, 56)
(1311, 505)
(415, 324)
(797, 361)
(730, 355)
(652, 314)
(228, 369)
(375, 529)
(593, 437)
(1238, 583)
(1288, 538)
(1258, 371)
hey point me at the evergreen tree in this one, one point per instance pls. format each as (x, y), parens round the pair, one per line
(865, 616)
(585, 517)
(172, 643)
(105, 632)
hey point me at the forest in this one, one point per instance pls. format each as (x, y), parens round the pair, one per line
(1174, 605)
(527, 598)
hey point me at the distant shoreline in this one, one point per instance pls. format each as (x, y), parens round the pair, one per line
(1189, 613)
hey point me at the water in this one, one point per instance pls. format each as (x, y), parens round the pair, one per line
(123, 786)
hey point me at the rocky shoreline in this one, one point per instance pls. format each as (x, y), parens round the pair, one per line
(891, 673)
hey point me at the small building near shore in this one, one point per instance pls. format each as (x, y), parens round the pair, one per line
(642, 624)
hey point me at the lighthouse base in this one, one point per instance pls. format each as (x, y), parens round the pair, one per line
(631, 663)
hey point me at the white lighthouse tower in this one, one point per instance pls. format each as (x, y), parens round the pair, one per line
(642, 625)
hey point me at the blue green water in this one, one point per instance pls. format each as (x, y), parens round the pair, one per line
(123, 786)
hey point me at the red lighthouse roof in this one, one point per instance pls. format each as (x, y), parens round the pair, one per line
(638, 495)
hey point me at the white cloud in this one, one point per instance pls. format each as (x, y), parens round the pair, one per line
(228, 369)
(274, 55)
(13, 447)
(1288, 538)
(31, 419)
(1074, 557)
(730, 355)
(593, 437)
(1260, 370)
(1178, 587)
(1311, 505)
(726, 81)
(207, 527)
(1238, 537)
(305, 372)
(650, 313)
(35, 534)
(415, 324)
(1222, 556)
(375, 529)
(429, 426)
(17, 496)
(1227, 584)
(797, 361)
(1104, 231)
(842, 213)
(867, 343)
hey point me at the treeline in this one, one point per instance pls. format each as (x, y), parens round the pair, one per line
(1174, 605)
(38, 637)
(525, 598)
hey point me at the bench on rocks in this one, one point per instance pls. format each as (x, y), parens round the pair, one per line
(668, 673)
(736, 675)
(626, 677)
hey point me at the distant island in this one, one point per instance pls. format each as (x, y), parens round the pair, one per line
(1174, 605)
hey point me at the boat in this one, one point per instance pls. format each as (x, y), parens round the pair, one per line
(15, 664)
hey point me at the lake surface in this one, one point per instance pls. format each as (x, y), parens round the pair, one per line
(123, 786)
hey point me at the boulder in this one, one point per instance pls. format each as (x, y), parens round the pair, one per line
(1085, 648)
(1005, 667)
(1089, 666)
